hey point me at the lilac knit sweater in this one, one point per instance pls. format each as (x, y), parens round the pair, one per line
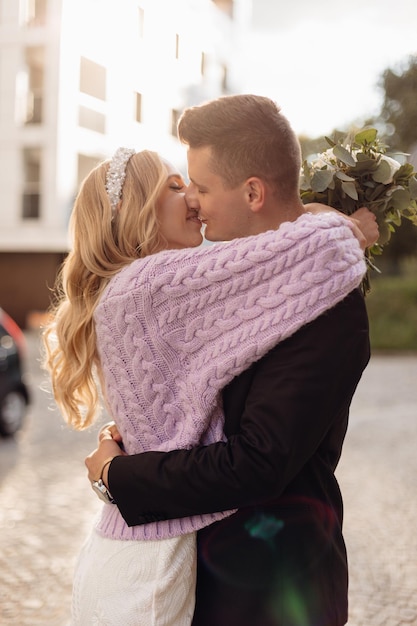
(174, 328)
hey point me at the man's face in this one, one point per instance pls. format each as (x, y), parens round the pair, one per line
(223, 211)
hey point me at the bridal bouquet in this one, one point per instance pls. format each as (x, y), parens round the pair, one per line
(356, 171)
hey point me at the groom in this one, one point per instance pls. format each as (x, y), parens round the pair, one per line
(281, 559)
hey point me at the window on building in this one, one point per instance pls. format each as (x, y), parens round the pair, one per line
(225, 5)
(138, 107)
(141, 22)
(31, 198)
(177, 46)
(30, 87)
(92, 79)
(225, 79)
(93, 120)
(175, 116)
(34, 12)
(203, 64)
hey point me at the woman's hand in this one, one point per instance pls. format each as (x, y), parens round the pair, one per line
(364, 222)
(367, 224)
(110, 428)
(108, 447)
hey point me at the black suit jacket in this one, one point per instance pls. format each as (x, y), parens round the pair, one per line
(285, 419)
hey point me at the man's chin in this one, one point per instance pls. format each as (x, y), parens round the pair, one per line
(210, 236)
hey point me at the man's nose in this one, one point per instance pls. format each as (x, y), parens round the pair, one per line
(191, 197)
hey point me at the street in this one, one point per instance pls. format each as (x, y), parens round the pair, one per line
(46, 502)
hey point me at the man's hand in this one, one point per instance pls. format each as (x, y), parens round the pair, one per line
(108, 447)
(364, 222)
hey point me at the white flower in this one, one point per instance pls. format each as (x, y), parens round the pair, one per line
(324, 160)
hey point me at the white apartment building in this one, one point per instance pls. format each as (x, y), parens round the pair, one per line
(77, 79)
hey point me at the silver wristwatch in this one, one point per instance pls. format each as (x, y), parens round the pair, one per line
(101, 490)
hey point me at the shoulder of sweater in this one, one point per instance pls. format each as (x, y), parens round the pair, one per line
(347, 318)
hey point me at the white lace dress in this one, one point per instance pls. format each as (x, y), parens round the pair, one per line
(135, 583)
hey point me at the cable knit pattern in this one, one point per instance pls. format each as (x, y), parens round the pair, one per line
(174, 328)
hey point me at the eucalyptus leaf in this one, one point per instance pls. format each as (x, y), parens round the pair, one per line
(379, 191)
(350, 190)
(366, 136)
(383, 173)
(400, 200)
(364, 164)
(321, 179)
(404, 173)
(384, 233)
(345, 177)
(344, 155)
(412, 187)
(393, 217)
(330, 142)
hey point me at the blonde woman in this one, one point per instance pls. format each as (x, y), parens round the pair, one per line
(164, 325)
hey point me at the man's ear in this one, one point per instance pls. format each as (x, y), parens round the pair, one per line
(255, 193)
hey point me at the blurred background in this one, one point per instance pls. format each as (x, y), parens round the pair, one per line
(80, 77)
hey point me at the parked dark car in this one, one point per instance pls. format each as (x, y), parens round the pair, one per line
(14, 393)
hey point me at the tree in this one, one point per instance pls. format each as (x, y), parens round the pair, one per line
(398, 119)
(399, 108)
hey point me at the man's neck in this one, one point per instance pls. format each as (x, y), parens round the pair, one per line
(275, 215)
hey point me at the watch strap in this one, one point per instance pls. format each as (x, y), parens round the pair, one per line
(105, 464)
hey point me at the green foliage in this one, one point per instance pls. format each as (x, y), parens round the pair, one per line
(399, 108)
(392, 310)
(355, 172)
(397, 121)
(401, 247)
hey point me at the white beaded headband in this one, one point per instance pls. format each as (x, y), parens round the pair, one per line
(116, 175)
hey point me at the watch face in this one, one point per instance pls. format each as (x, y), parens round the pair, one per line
(101, 490)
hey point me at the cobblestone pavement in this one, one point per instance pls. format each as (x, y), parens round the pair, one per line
(46, 504)
(378, 478)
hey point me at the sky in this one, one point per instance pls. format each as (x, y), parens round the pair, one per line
(321, 60)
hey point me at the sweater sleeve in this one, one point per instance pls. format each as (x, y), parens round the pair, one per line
(209, 313)
(222, 308)
(194, 296)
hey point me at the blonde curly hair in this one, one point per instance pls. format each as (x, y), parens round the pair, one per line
(104, 242)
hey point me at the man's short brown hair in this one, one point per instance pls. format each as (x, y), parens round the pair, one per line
(248, 136)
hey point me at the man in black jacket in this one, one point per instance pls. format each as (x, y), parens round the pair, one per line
(281, 559)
